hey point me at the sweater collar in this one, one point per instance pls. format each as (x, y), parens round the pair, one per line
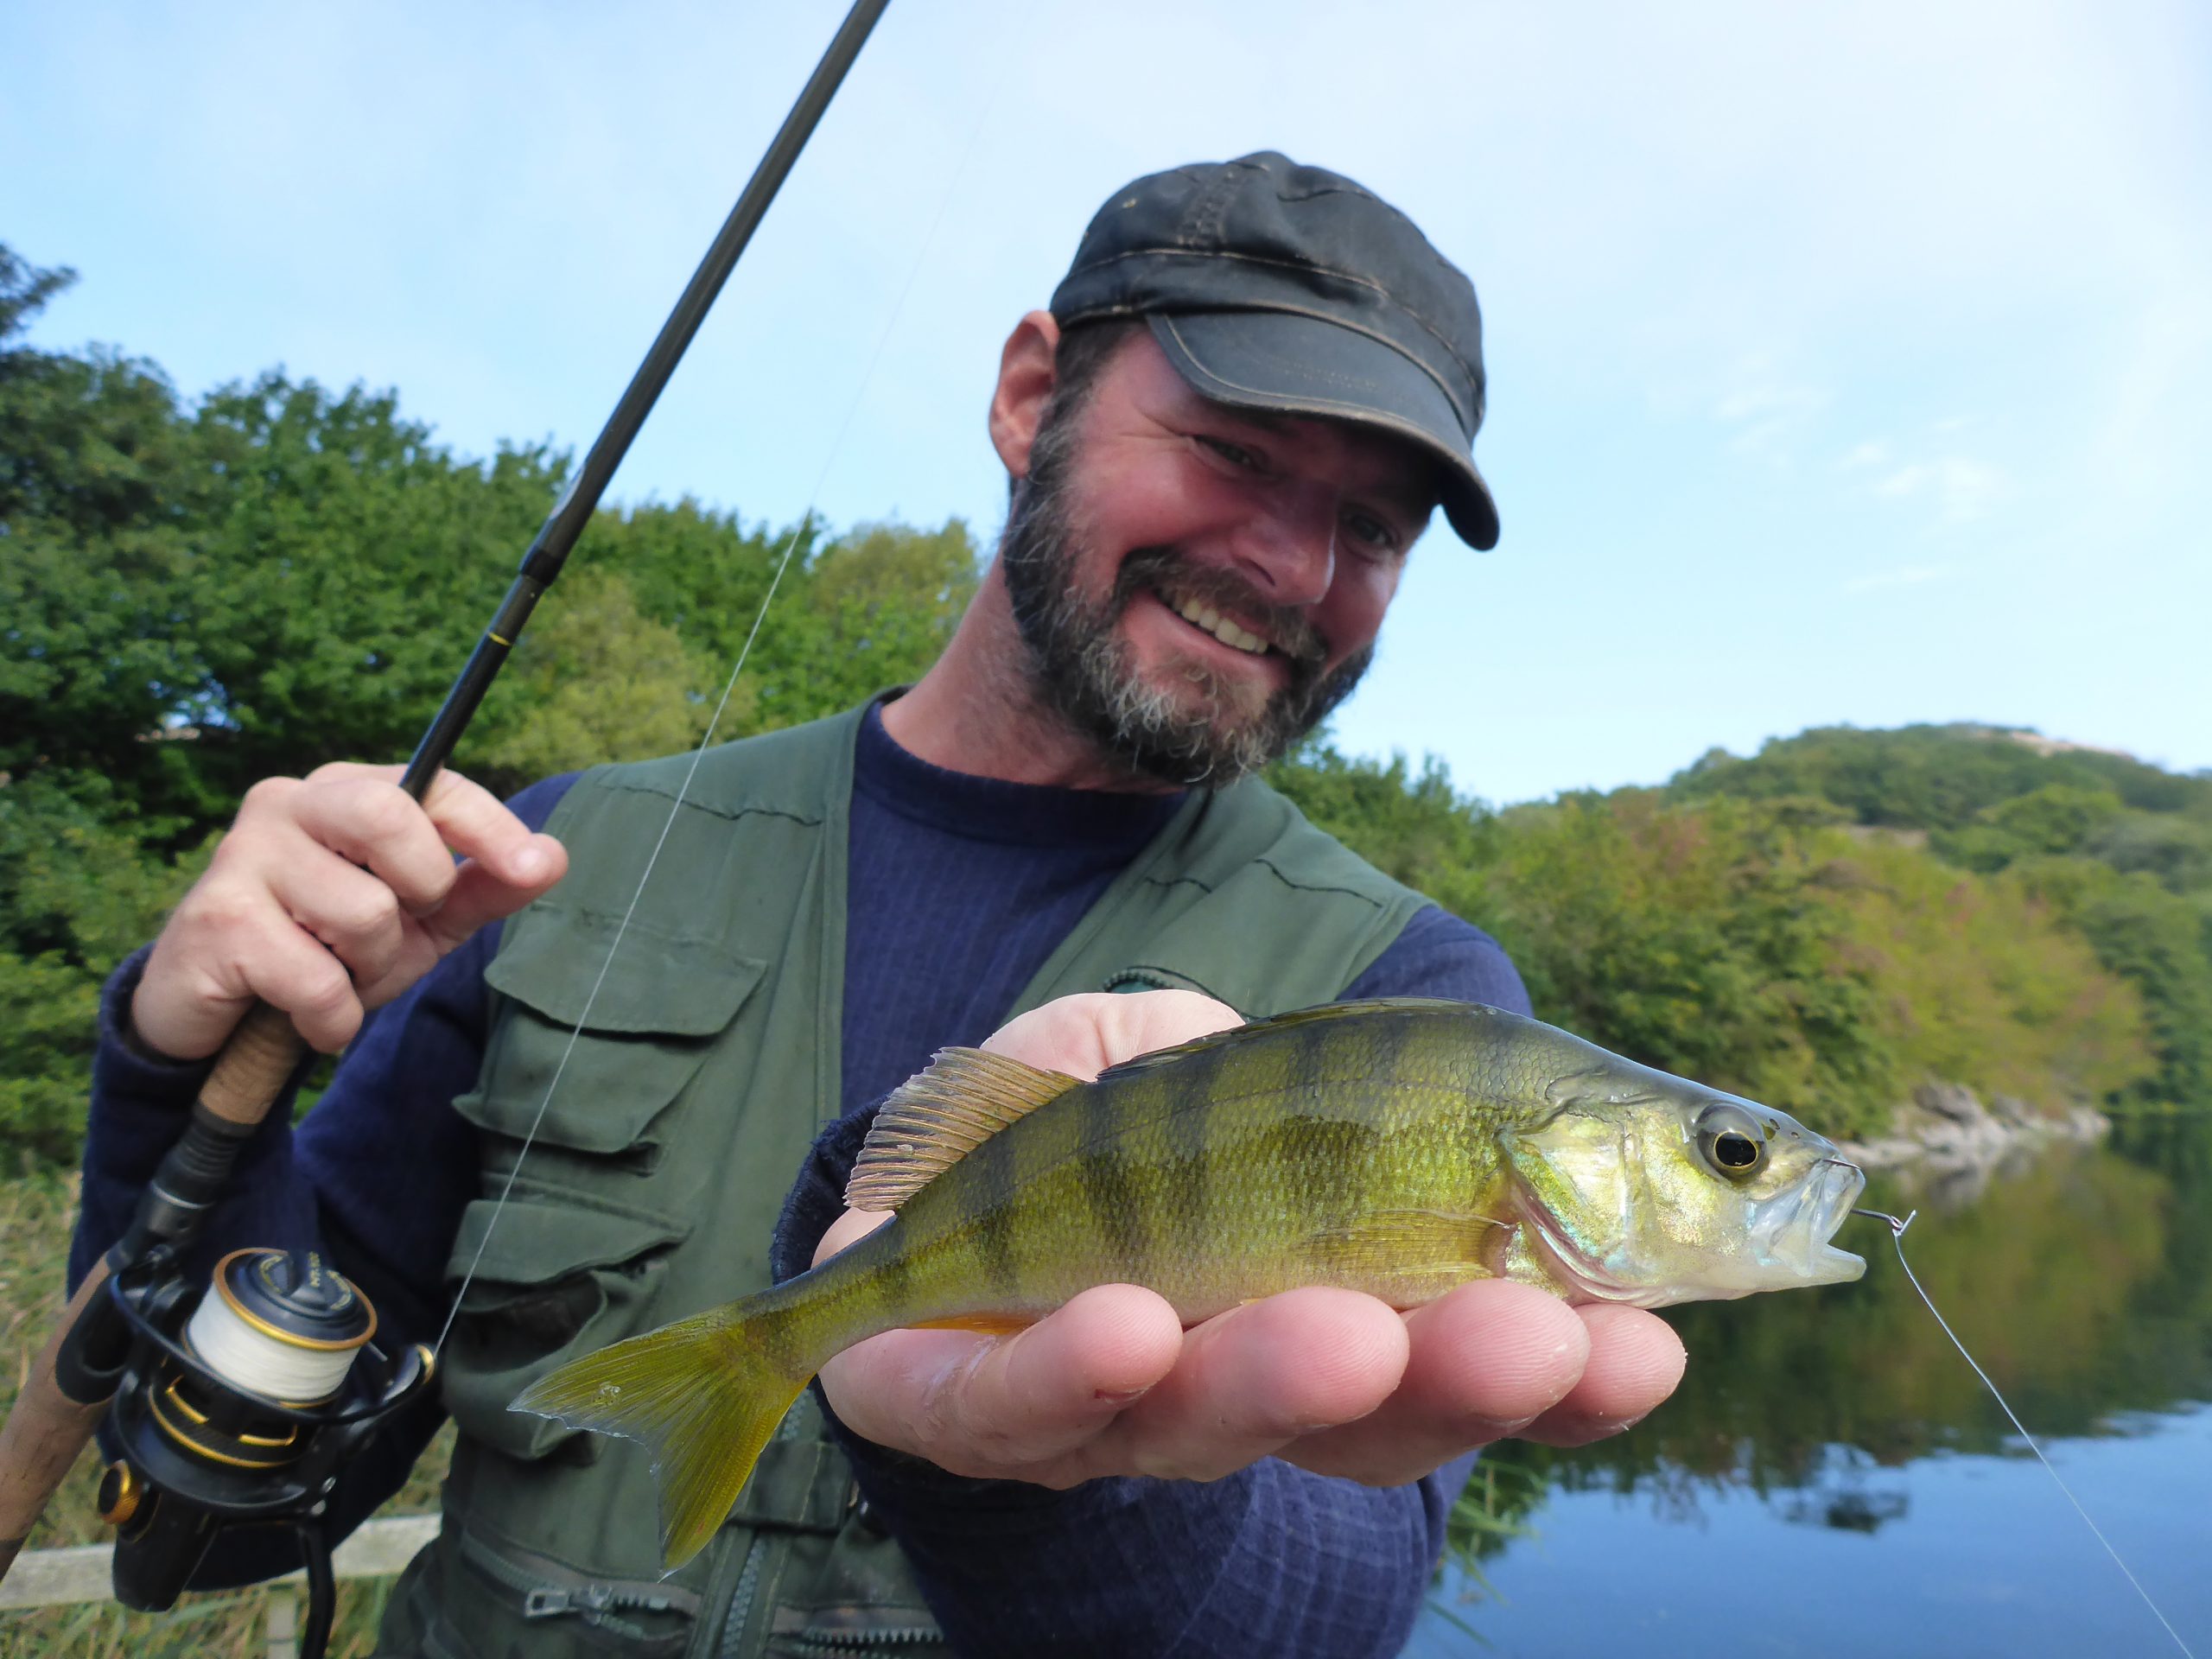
(991, 808)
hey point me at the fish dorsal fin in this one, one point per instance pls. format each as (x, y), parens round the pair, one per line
(1380, 1006)
(935, 1119)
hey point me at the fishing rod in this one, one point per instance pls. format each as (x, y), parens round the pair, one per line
(207, 1387)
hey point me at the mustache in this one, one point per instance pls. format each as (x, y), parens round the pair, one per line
(1286, 627)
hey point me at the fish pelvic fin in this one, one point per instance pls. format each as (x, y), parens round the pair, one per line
(704, 1394)
(935, 1119)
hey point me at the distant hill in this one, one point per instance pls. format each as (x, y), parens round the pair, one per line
(1936, 777)
(2118, 850)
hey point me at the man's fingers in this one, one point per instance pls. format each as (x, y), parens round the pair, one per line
(283, 967)
(1636, 1360)
(361, 814)
(482, 829)
(1259, 1376)
(481, 894)
(1084, 1033)
(357, 916)
(1020, 1406)
(1484, 1360)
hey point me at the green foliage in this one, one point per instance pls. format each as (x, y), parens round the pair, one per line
(82, 895)
(192, 597)
(1698, 940)
(2056, 819)
(593, 681)
(2156, 940)
(2120, 853)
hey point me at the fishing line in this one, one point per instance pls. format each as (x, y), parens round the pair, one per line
(1897, 1237)
(729, 686)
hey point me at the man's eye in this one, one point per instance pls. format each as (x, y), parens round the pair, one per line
(1370, 532)
(1234, 453)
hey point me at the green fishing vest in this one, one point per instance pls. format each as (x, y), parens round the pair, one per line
(708, 1063)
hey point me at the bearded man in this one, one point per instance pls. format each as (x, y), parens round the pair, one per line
(1254, 386)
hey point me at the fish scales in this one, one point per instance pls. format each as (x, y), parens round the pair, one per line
(1399, 1148)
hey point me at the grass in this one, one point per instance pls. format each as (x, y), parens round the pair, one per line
(36, 1213)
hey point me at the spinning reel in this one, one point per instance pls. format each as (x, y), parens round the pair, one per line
(236, 1407)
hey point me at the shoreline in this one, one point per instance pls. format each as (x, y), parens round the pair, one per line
(1945, 1145)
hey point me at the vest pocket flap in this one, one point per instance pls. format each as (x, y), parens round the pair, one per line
(530, 1242)
(660, 983)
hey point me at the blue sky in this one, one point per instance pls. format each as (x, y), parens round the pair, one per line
(1846, 363)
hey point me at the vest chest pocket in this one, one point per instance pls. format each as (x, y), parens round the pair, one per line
(622, 1045)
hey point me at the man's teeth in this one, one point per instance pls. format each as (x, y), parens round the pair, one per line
(1222, 627)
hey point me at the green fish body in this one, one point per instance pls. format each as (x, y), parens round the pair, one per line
(1399, 1148)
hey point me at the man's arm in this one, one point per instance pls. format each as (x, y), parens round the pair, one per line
(376, 1178)
(1249, 1553)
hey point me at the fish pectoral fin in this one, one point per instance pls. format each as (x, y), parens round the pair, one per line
(1410, 1242)
(985, 1325)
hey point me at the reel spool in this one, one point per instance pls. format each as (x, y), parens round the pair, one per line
(237, 1408)
(276, 1325)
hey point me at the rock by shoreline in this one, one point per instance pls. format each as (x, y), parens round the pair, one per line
(1946, 1125)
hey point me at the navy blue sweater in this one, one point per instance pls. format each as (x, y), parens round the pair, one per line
(979, 879)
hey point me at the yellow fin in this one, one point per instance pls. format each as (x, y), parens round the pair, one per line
(701, 1393)
(933, 1120)
(983, 1325)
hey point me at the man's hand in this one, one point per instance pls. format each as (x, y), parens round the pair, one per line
(330, 896)
(1112, 1384)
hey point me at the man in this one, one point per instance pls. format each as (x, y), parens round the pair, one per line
(1252, 389)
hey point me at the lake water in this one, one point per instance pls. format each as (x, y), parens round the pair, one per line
(1831, 1479)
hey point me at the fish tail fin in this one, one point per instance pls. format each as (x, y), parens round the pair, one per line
(704, 1393)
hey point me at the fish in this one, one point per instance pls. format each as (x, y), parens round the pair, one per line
(1398, 1148)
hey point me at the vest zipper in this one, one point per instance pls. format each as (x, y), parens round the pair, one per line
(890, 1636)
(549, 1591)
(741, 1599)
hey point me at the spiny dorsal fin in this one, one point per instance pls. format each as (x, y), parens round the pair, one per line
(1369, 1009)
(933, 1120)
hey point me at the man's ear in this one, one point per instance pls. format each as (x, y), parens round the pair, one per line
(1026, 376)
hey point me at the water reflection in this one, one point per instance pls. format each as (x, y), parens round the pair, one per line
(2080, 1279)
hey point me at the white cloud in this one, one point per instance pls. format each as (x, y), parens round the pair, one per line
(1961, 489)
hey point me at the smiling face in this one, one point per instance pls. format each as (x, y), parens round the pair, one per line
(1198, 586)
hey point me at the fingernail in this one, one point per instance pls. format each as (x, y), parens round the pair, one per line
(528, 864)
(1119, 1396)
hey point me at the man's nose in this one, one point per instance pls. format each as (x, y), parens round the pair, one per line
(1288, 547)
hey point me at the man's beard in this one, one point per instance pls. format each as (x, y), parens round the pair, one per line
(1203, 730)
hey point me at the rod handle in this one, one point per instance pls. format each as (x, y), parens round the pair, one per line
(45, 1430)
(254, 1067)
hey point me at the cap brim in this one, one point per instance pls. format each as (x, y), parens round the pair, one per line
(1284, 363)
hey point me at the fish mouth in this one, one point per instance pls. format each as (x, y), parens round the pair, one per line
(1784, 1246)
(1790, 1234)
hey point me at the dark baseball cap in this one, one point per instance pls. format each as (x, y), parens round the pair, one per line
(1292, 289)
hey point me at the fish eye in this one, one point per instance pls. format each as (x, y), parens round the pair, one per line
(1728, 1138)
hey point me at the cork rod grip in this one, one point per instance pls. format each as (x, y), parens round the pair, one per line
(254, 1067)
(44, 1432)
